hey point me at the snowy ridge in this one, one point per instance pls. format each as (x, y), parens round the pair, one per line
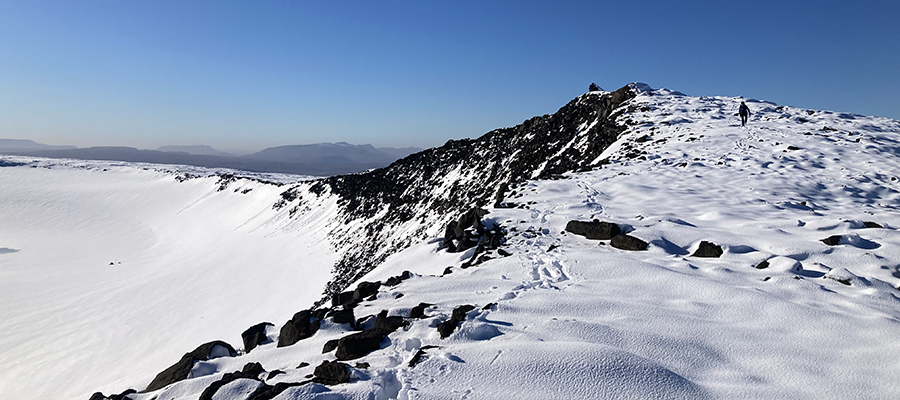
(782, 312)
(801, 303)
(389, 209)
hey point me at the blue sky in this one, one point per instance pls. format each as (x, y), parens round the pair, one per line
(253, 74)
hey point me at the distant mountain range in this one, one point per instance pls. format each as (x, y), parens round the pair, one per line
(322, 159)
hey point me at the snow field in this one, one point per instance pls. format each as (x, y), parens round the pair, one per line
(116, 270)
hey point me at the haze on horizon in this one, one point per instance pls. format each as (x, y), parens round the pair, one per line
(244, 76)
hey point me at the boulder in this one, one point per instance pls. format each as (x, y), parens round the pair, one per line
(301, 326)
(330, 346)
(180, 370)
(418, 311)
(595, 230)
(833, 240)
(626, 242)
(359, 344)
(459, 315)
(871, 225)
(332, 373)
(340, 299)
(250, 371)
(344, 316)
(365, 290)
(708, 250)
(255, 336)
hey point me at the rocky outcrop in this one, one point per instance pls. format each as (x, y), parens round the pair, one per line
(180, 370)
(385, 210)
(708, 250)
(595, 230)
(626, 242)
(255, 336)
(447, 327)
(301, 326)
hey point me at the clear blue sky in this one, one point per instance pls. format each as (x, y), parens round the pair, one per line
(252, 74)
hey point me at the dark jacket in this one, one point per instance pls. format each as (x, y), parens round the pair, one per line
(744, 110)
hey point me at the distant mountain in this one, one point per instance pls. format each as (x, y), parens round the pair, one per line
(27, 145)
(324, 159)
(203, 150)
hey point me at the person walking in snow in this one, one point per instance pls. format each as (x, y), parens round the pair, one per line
(744, 111)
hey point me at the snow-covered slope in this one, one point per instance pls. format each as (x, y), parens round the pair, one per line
(109, 270)
(780, 314)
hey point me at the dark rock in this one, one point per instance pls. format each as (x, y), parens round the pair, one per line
(418, 311)
(267, 392)
(250, 371)
(459, 315)
(97, 396)
(382, 200)
(448, 271)
(344, 316)
(398, 295)
(594, 88)
(503, 253)
(365, 289)
(595, 230)
(418, 356)
(763, 265)
(330, 346)
(870, 224)
(320, 313)
(359, 344)
(332, 373)
(362, 365)
(832, 240)
(255, 335)
(180, 370)
(303, 365)
(386, 324)
(396, 280)
(626, 242)
(274, 374)
(301, 326)
(372, 297)
(489, 306)
(708, 250)
(342, 298)
(552, 247)
(120, 396)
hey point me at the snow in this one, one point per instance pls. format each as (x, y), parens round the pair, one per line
(581, 320)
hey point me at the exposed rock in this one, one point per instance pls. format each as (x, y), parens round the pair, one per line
(396, 280)
(464, 233)
(180, 370)
(833, 240)
(406, 193)
(418, 356)
(626, 242)
(763, 265)
(418, 311)
(359, 344)
(332, 373)
(447, 327)
(870, 224)
(708, 250)
(255, 335)
(365, 289)
(301, 326)
(362, 365)
(274, 374)
(250, 371)
(594, 88)
(330, 346)
(267, 392)
(344, 316)
(595, 230)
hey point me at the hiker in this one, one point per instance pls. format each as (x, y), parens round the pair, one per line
(744, 111)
